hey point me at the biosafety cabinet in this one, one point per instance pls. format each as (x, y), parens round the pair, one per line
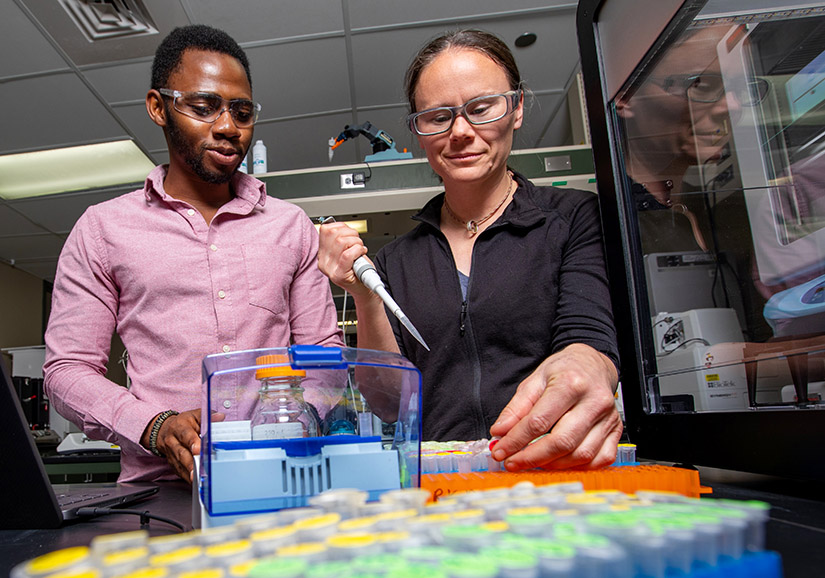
(707, 122)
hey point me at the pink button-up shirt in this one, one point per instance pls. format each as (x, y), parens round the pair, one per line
(175, 289)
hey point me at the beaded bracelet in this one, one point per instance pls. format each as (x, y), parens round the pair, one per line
(153, 435)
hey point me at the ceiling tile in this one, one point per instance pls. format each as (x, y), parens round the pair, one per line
(380, 60)
(19, 37)
(124, 82)
(260, 20)
(553, 59)
(368, 13)
(146, 132)
(379, 72)
(300, 78)
(12, 223)
(59, 110)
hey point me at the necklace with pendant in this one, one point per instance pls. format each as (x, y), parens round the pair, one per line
(473, 225)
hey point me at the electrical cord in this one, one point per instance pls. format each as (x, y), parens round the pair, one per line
(671, 333)
(682, 344)
(145, 516)
(344, 318)
(719, 274)
(664, 320)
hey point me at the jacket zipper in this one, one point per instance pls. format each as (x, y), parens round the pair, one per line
(463, 318)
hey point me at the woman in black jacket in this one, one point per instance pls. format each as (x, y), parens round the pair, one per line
(505, 280)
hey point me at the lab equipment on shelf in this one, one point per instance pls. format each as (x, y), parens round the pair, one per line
(259, 158)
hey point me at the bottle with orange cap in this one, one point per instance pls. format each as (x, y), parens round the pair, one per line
(281, 412)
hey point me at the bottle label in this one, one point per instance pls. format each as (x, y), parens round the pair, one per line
(278, 431)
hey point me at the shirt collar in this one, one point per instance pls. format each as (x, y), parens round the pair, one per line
(522, 211)
(248, 190)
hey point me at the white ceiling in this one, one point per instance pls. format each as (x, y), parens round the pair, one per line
(317, 65)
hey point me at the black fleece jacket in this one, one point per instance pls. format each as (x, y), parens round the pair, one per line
(537, 284)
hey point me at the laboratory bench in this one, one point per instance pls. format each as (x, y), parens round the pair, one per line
(173, 500)
(796, 529)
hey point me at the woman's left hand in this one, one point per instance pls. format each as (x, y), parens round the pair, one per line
(570, 393)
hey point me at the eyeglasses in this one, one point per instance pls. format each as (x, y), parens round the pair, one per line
(208, 107)
(481, 110)
(709, 88)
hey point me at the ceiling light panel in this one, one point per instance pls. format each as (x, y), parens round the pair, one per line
(72, 169)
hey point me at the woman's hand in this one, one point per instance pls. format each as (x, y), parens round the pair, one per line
(571, 396)
(339, 247)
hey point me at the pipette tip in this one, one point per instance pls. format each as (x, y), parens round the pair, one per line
(413, 331)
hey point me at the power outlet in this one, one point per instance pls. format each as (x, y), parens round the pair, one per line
(674, 337)
(352, 181)
(557, 163)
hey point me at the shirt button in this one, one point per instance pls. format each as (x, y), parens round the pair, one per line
(221, 294)
(213, 247)
(227, 404)
(226, 348)
(190, 212)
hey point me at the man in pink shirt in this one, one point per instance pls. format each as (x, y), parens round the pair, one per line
(199, 261)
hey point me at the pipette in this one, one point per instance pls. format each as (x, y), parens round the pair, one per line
(367, 274)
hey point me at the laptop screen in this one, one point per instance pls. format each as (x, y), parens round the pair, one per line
(26, 496)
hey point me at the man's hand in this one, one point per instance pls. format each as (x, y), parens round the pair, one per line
(570, 393)
(178, 440)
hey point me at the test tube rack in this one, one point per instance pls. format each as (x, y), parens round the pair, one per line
(526, 531)
(629, 479)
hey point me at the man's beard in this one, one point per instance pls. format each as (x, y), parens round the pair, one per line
(192, 157)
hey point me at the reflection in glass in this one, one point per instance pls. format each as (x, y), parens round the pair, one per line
(723, 137)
